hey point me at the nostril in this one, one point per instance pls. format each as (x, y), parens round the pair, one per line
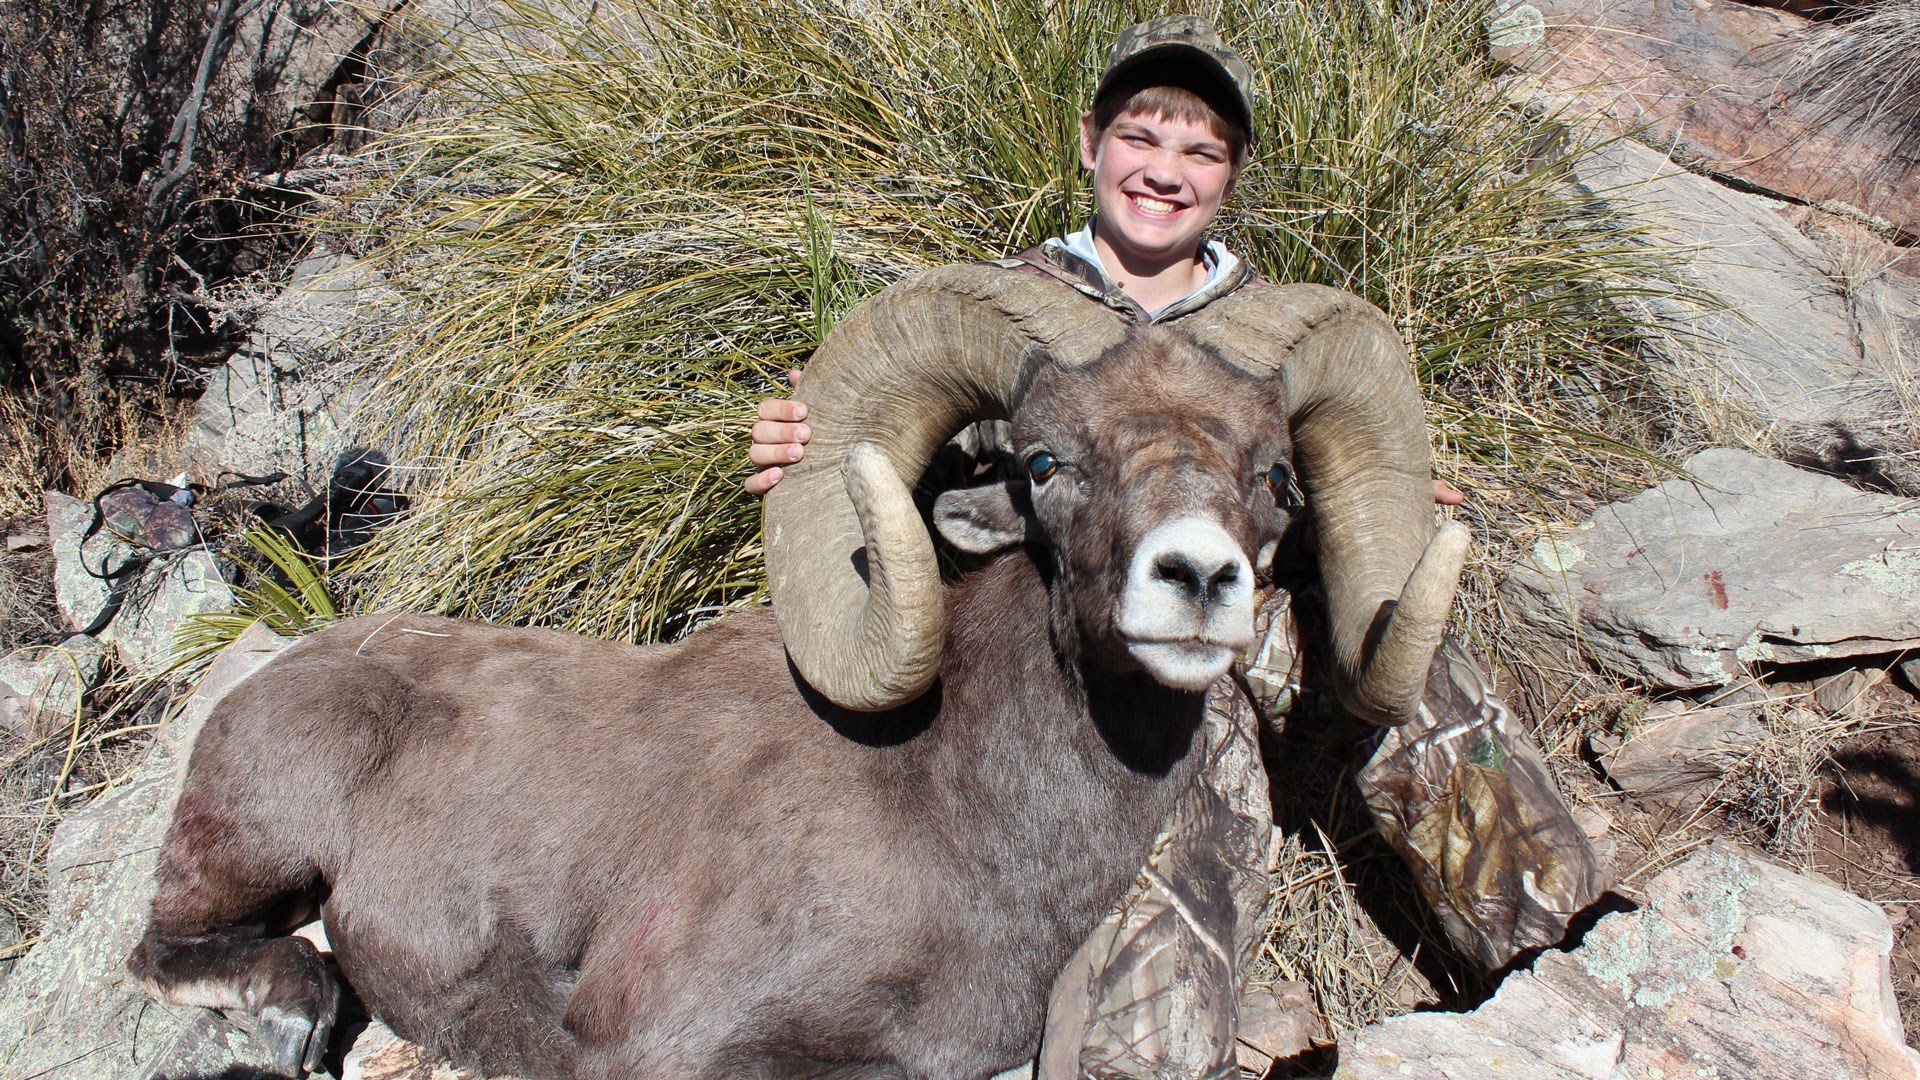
(1223, 578)
(1200, 586)
(1176, 569)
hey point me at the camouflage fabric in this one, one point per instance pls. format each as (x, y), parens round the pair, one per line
(1153, 993)
(1466, 800)
(1173, 39)
(1460, 793)
(132, 514)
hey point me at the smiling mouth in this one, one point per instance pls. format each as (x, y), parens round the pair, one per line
(1150, 205)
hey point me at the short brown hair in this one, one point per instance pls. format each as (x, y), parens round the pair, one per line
(1192, 100)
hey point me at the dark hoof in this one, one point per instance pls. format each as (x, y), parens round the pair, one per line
(296, 1024)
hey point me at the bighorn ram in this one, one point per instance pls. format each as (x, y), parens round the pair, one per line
(549, 856)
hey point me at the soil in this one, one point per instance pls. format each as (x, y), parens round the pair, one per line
(1867, 838)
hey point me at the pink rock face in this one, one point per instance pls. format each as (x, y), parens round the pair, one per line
(1712, 82)
(1734, 967)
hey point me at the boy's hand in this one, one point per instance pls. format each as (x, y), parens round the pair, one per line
(779, 438)
(1446, 494)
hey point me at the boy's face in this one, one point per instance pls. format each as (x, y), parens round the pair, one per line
(1157, 183)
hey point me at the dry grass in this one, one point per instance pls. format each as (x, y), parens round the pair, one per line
(41, 451)
(620, 244)
(1865, 69)
(55, 769)
(1318, 933)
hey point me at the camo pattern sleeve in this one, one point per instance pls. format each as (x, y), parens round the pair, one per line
(1462, 794)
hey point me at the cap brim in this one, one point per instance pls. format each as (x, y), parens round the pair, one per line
(1189, 55)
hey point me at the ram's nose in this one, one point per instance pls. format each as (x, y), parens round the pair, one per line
(1187, 605)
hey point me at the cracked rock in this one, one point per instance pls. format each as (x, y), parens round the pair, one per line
(41, 688)
(1734, 967)
(1742, 561)
(1678, 745)
(1714, 81)
(283, 400)
(1792, 347)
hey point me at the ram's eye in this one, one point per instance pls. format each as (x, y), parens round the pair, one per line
(1280, 482)
(1041, 466)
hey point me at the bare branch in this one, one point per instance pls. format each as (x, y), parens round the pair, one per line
(176, 157)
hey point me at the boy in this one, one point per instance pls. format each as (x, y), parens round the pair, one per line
(1152, 993)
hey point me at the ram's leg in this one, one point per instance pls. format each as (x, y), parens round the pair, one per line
(222, 892)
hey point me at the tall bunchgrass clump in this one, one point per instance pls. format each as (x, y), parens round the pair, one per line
(633, 221)
(1864, 68)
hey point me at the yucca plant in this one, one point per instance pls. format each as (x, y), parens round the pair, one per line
(290, 594)
(633, 220)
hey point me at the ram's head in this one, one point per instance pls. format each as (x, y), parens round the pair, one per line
(852, 568)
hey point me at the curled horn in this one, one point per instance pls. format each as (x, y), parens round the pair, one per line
(1360, 439)
(856, 588)
(855, 585)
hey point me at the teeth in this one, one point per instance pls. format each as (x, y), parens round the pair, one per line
(1154, 206)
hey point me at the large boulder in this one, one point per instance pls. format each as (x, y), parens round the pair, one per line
(1717, 83)
(283, 400)
(1804, 341)
(1734, 967)
(1742, 560)
(69, 1008)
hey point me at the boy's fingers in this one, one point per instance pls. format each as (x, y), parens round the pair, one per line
(1446, 494)
(785, 410)
(773, 432)
(761, 482)
(793, 378)
(765, 454)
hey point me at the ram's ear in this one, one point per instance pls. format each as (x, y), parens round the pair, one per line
(986, 519)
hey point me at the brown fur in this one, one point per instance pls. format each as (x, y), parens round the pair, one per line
(550, 856)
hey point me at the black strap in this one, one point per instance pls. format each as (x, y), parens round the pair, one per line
(120, 579)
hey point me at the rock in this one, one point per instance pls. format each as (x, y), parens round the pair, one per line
(1745, 560)
(1677, 745)
(175, 585)
(1847, 695)
(1713, 81)
(42, 688)
(25, 542)
(1735, 967)
(379, 1054)
(287, 61)
(69, 1009)
(206, 1045)
(1911, 670)
(282, 401)
(1794, 348)
(1593, 821)
(1277, 1021)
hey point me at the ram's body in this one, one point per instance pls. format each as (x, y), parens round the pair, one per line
(530, 836)
(548, 856)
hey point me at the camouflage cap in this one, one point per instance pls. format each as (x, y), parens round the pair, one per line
(1186, 40)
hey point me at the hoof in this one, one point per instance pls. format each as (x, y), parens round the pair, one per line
(296, 1037)
(296, 1023)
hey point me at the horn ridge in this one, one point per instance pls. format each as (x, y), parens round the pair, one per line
(850, 565)
(1360, 443)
